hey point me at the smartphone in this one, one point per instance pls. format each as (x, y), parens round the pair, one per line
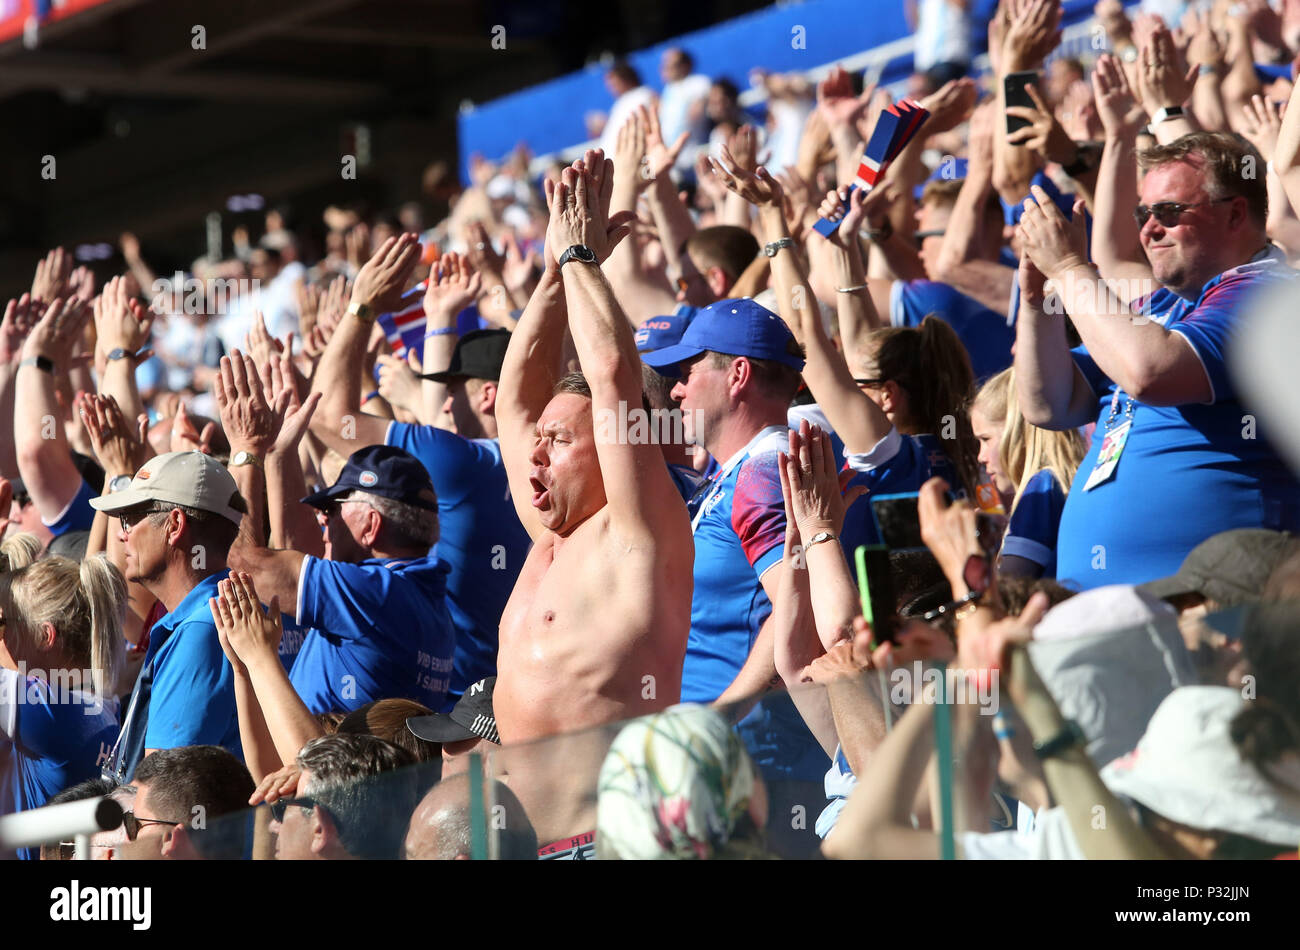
(1014, 86)
(898, 523)
(876, 587)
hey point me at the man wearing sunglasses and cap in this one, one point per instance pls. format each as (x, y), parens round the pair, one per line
(1174, 458)
(481, 540)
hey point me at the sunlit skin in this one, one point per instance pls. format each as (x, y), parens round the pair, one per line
(1207, 239)
(989, 436)
(565, 471)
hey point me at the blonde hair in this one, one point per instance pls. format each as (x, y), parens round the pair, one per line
(85, 603)
(18, 551)
(1025, 449)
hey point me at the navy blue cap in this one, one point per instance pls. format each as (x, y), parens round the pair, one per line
(660, 332)
(737, 327)
(383, 470)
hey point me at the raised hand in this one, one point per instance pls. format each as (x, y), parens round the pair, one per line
(1053, 243)
(119, 449)
(660, 157)
(383, 278)
(261, 346)
(1044, 134)
(251, 633)
(630, 162)
(185, 435)
(1117, 105)
(520, 269)
(480, 251)
(250, 422)
(579, 206)
(52, 273)
(20, 317)
(58, 332)
(837, 104)
(809, 475)
(1164, 78)
(399, 381)
(333, 304)
(847, 209)
(1263, 124)
(294, 414)
(453, 285)
(1033, 30)
(277, 785)
(120, 321)
(81, 284)
(757, 187)
(308, 297)
(950, 105)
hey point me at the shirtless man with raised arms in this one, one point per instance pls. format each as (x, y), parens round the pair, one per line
(595, 631)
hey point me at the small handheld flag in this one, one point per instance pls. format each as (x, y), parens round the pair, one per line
(895, 128)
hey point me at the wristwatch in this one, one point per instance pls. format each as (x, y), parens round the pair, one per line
(1166, 112)
(819, 537)
(771, 248)
(578, 252)
(118, 353)
(362, 312)
(1068, 738)
(243, 457)
(118, 483)
(43, 363)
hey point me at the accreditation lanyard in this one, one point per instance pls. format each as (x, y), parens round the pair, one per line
(1112, 444)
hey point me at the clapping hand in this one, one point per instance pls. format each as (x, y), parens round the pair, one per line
(119, 450)
(579, 206)
(1054, 244)
(20, 317)
(383, 278)
(247, 632)
(809, 478)
(251, 423)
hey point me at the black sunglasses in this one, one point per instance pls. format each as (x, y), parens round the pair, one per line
(132, 824)
(1167, 213)
(129, 519)
(868, 382)
(279, 807)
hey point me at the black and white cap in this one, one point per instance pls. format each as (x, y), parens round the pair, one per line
(471, 717)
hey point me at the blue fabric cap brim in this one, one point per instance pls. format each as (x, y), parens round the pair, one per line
(666, 361)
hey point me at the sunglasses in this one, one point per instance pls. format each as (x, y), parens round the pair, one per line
(280, 807)
(130, 519)
(868, 382)
(132, 825)
(1167, 213)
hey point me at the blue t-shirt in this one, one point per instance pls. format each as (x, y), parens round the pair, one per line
(686, 480)
(293, 634)
(896, 464)
(1032, 528)
(739, 528)
(481, 539)
(984, 332)
(50, 739)
(192, 698)
(78, 516)
(379, 630)
(1187, 472)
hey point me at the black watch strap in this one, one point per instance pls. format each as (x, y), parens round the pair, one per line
(43, 363)
(577, 252)
(1069, 737)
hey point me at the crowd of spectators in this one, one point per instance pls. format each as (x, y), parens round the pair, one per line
(539, 533)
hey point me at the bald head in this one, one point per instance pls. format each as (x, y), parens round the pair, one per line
(440, 827)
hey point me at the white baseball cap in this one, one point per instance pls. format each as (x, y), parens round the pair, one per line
(191, 479)
(1186, 768)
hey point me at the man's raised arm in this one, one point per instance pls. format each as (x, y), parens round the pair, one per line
(339, 421)
(637, 484)
(528, 376)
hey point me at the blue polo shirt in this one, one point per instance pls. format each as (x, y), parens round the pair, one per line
(185, 691)
(984, 332)
(739, 526)
(895, 465)
(378, 630)
(1187, 472)
(51, 737)
(481, 539)
(1034, 522)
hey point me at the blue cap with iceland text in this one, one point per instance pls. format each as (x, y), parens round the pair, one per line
(737, 327)
(658, 333)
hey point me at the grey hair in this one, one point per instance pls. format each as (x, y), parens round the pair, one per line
(416, 527)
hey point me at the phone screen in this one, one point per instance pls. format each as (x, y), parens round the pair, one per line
(1014, 85)
(898, 522)
(877, 582)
